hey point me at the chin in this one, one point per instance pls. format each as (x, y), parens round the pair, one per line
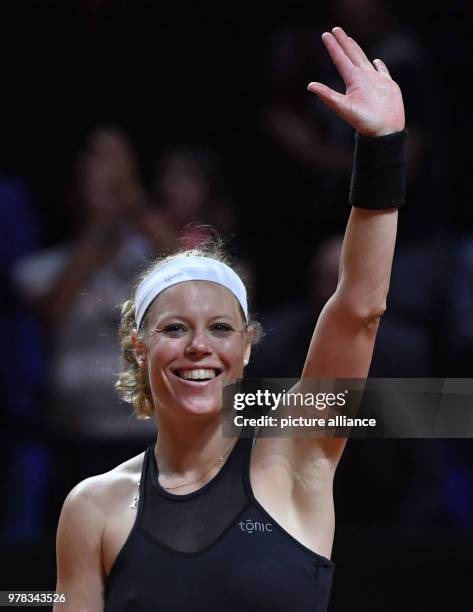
(198, 398)
(203, 409)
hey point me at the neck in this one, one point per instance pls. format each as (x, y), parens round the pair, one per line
(185, 450)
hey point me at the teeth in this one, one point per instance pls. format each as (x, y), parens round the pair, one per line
(196, 374)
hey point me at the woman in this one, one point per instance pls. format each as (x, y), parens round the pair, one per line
(205, 523)
(64, 285)
(187, 192)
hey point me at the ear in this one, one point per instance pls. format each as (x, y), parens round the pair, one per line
(250, 334)
(140, 349)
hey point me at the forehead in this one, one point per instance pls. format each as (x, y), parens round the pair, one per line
(196, 298)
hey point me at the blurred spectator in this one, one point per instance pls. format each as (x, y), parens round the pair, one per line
(75, 287)
(411, 338)
(288, 329)
(187, 193)
(411, 333)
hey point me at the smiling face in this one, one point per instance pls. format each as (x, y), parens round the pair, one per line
(195, 343)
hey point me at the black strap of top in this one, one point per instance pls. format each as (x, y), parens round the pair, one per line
(191, 523)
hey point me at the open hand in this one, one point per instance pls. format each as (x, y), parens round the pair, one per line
(372, 103)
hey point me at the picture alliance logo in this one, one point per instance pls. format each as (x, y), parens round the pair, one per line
(250, 526)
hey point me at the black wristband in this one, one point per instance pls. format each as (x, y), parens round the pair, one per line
(378, 178)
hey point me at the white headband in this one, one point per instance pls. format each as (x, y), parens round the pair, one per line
(187, 268)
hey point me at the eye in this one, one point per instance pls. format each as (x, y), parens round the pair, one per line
(173, 329)
(221, 329)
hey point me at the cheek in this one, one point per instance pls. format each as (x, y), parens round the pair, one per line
(162, 351)
(233, 355)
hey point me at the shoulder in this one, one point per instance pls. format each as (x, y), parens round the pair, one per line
(102, 495)
(86, 512)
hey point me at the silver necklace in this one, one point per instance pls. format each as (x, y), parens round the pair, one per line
(189, 482)
(136, 497)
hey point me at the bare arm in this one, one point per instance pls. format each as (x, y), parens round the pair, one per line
(343, 341)
(80, 575)
(88, 254)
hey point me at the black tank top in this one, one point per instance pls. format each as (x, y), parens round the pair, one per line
(215, 549)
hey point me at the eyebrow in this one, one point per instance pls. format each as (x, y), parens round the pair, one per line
(164, 316)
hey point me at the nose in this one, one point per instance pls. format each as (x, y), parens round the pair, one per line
(199, 344)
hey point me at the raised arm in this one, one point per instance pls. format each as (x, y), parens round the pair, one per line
(343, 340)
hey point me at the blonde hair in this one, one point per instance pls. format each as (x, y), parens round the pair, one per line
(133, 384)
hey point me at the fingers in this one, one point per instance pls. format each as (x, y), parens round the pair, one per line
(332, 98)
(339, 57)
(351, 48)
(381, 66)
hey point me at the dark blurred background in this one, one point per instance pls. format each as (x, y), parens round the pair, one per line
(125, 126)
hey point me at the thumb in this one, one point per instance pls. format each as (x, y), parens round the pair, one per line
(331, 98)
